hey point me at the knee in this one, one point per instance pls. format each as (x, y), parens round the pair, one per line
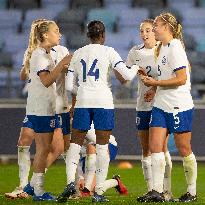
(184, 149)
(24, 141)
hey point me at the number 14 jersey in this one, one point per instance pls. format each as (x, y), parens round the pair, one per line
(92, 65)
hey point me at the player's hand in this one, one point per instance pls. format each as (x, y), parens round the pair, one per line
(141, 72)
(149, 81)
(149, 95)
(65, 62)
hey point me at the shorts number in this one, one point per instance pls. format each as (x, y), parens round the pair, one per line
(60, 120)
(176, 121)
(93, 71)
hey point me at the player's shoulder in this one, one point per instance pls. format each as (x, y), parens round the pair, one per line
(39, 52)
(137, 48)
(60, 48)
(175, 43)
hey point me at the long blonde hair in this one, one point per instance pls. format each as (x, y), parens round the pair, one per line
(33, 43)
(175, 27)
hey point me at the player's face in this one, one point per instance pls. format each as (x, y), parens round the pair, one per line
(146, 33)
(159, 29)
(53, 35)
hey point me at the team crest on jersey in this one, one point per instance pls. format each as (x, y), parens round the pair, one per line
(52, 123)
(164, 60)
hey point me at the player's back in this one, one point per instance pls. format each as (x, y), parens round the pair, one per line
(92, 65)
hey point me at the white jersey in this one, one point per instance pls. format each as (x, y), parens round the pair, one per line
(58, 53)
(41, 100)
(172, 57)
(144, 58)
(92, 65)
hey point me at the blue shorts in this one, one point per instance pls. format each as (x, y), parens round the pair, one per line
(113, 151)
(40, 124)
(174, 122)
(103, 119)
(63, 122)
(143, 119)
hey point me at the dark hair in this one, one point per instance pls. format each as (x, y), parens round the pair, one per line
(95, 29)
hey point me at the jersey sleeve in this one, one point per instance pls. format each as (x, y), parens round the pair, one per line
(177, 57)
(41, 63)
(128, 73)
(130, 58)
(71, 78)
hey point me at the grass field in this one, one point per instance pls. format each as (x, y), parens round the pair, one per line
(55, 182)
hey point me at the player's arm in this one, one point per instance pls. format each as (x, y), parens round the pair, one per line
(49, 77)
(179, 79)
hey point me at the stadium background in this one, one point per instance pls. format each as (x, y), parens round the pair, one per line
(122, 19)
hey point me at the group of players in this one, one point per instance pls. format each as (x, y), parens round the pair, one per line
(164, 106)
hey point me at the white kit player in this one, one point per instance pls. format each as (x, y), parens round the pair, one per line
(173, 107)
(87, 166)
(41, 101)
(92, 65)
(143, 56)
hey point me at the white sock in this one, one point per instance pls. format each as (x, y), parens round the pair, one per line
(168, 172)
(38, 179)
(110, 183)
(24, 163)
(190, 170)
(147, 171)
(72, 160)
(102, 164)
(158, 169)
(90, 170)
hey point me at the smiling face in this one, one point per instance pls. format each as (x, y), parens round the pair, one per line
(159, 29)
(146, 33)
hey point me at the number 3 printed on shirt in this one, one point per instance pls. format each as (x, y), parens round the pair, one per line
(93, 71)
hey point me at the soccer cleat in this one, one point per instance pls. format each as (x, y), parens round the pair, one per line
(143, 197)
(18, 193)
(29, 189)
(85, 192)
(168, 196)
(68, 191)
(45, 197)
(99, 198)
(120, 187)
(154, 196)
(187, 198)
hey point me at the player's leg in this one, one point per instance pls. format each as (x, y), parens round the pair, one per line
(168, 170)
(81, 123)
(25, 140)
(183, 143)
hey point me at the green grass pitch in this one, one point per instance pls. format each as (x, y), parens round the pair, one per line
(133, 178)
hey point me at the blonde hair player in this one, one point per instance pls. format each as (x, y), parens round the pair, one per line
(27, 133)
(41, 101)
(92, 64)
(173, 107)
(143, 56)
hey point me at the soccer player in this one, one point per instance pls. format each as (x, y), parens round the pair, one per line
(173, 106)
(41, 101)
(143, 56)
(27, 133)
(86, 172)
(92, 65)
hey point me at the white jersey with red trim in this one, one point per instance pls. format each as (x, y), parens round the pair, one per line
(172, 57)
(144, 58)
(92, 65)
(41, 100)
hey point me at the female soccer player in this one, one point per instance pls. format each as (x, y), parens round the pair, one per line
(27, 133)
(41, 101)
(92, 65)
(173, 106)
(143, 56)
